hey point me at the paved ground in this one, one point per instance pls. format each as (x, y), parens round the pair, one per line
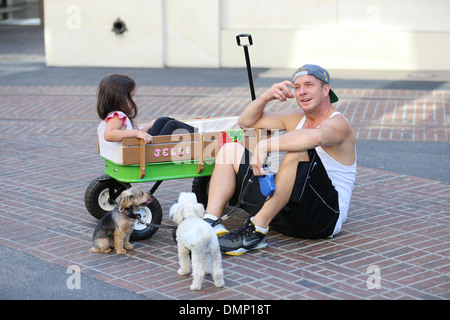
(398, 225)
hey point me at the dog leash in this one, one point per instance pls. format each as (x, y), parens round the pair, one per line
(137, 216)
(240, 201)
(167, 226)
(129, 213)
(174, 228)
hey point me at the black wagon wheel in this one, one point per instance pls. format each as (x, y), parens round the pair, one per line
(200, 186)
(102, 194)
(150, 214)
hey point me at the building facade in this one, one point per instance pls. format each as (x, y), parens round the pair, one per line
(338, 34)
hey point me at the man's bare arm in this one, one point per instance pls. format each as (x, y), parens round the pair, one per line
(254, 116)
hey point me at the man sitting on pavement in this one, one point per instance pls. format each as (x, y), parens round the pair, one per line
(315, 180)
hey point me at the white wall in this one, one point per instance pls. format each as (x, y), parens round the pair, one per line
(79, 33)
(192, 33)
(338, 34)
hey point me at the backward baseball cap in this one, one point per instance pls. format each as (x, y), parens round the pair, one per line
(318, 72)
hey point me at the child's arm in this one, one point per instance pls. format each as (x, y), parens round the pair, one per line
(115, 131)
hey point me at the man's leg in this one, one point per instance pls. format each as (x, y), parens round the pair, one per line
(223, 178)
(253, 234)
(284, 183)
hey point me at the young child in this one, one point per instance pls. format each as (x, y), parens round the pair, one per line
(116, 105)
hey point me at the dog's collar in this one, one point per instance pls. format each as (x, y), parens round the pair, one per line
(128, 212)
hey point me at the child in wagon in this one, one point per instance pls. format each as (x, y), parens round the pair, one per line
(116, 105)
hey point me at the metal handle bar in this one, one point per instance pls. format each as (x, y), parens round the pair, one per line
(247, 59)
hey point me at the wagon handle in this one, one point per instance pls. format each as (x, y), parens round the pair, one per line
(247, 59)
(244, 35)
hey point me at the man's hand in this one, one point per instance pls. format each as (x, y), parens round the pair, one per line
(279, 91)
(259, 156)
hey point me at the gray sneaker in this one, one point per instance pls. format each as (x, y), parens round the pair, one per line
(242, 240)
(219, 228)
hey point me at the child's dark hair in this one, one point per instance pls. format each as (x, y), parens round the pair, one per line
(114, 94)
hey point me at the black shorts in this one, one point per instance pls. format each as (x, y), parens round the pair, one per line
(313, 207)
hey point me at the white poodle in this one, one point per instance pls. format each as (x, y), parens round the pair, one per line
(196, 235)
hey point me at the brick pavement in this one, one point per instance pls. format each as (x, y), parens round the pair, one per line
(397, 223)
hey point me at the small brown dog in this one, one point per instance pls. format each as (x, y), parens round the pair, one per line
(115, 228)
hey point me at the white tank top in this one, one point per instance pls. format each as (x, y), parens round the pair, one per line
(342, 178)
